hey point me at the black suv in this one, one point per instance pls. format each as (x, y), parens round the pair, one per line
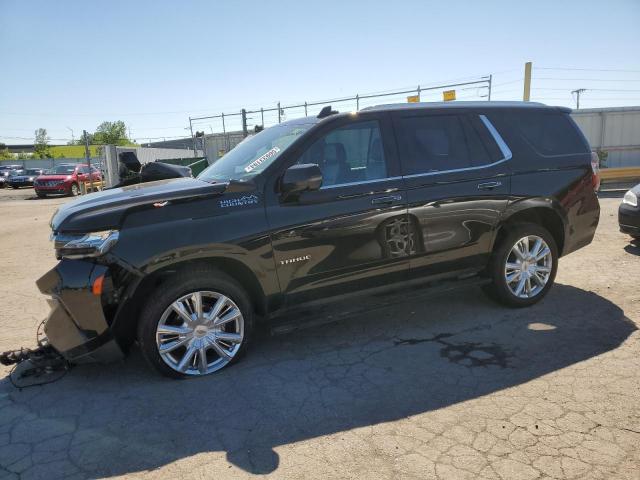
(319, 210)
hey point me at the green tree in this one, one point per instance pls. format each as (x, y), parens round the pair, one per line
(111, 133)
(5, 154)
(41, 144)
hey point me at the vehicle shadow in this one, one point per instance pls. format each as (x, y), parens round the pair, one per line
(399, 361)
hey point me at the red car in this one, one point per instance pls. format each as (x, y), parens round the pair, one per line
(65, 179)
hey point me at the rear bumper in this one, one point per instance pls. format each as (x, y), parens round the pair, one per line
(629, 219)
(76, 326)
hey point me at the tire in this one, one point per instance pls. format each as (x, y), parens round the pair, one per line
(14, 187)
(74, 190)
(158, 315)
(541, 273)
(41, 195)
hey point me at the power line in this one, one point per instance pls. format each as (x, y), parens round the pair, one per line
(589, 79)
(591, 89)
(588, 69)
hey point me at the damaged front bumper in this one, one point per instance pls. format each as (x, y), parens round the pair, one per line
(76, 326)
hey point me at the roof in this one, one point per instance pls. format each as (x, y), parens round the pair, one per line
(454, 105)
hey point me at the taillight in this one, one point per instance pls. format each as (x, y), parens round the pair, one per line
(595, 167)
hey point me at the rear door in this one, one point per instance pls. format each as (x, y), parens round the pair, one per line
(348, 235)
(456, 172)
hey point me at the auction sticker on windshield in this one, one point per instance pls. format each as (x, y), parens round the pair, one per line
(260, 160)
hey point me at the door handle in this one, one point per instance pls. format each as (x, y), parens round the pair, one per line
(386, 199)
(489, 185)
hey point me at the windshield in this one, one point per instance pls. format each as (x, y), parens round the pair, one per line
(64, 169)
(254, 154)
(32, 171)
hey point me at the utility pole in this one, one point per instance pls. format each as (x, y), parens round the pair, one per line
(527, 82)
(245, 132)
(578, 92)
(88, 157)
(193, 140)
(489, 94)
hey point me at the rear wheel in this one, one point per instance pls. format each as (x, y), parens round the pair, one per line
(523, 266)
(195, 324)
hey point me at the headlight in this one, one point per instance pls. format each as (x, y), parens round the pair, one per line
(84, 245)
(630, 198)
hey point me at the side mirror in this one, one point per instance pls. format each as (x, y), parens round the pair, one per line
(301, 178)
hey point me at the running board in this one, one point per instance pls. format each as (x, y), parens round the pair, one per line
(329, 313)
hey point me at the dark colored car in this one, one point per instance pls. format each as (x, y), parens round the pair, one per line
(317, 212)
(24, 178)
(629, 213)
(66, 179)
(7, 171)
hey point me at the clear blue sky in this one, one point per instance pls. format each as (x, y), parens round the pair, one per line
(154, 63)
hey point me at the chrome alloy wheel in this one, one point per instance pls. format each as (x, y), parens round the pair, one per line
(200, 333)
(528, 266)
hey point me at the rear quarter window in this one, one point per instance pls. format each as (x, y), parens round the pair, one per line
(549, 133)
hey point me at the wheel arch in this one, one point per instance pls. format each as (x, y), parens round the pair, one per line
(125, 321)
(543, 213)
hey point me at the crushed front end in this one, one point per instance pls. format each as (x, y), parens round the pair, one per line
(76, 326)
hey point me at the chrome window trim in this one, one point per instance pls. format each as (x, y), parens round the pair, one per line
(350, 184)
(504, 148)
(502, 145)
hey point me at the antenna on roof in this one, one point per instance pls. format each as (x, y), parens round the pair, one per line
(326, 111)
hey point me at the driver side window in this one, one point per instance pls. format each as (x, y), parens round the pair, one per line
(348, 154)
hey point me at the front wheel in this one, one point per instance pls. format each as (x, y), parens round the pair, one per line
(195, 324)
(523, 266)
(74, 190)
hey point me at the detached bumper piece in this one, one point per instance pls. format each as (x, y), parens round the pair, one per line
(35, 367)
(76, 326)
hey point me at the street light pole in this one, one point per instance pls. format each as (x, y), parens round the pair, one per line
(193, 140)
(72, 137)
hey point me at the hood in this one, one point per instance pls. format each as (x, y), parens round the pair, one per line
(106, 210)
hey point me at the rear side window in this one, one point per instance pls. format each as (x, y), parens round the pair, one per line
(437, 143)
(549, 133)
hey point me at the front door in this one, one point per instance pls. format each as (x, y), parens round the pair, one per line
(350, 234)
(456, 172)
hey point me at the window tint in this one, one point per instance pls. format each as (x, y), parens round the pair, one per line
(549, 133)
(494, 154)
(349, 154)
(436, 143)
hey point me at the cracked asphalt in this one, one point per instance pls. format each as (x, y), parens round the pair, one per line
(444, 387)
